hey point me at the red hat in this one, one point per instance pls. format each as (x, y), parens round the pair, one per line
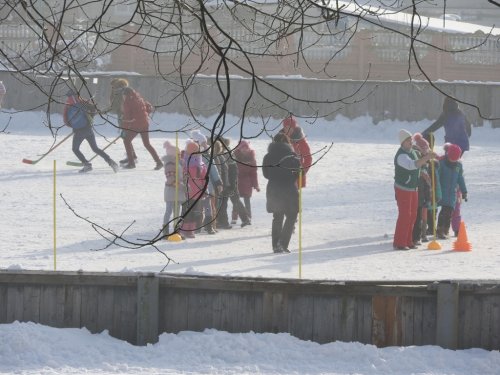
(453, 152)
(290, 122)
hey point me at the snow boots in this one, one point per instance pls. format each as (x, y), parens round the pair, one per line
(159, 165)
(113, 165)
(87, 167)
(187, 229)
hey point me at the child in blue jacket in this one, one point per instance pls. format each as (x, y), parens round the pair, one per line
(451, 178)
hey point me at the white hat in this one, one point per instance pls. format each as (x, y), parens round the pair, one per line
(404, 135)
(198, 137)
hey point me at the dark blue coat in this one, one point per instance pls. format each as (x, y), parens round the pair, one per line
(281, 168)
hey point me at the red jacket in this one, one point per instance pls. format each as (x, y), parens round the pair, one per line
(135, 112)
(300, 145)
(247, 172)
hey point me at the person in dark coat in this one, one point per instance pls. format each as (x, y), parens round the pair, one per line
(231, 190)
(457, 128)
(222, 220)
(281, 167)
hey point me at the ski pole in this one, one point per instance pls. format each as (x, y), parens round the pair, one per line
(79, 164)
(28, 161)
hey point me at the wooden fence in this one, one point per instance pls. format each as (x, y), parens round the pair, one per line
(404, 101)
(139, 307)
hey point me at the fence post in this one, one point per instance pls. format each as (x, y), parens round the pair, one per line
(447, 315)
(147, 309)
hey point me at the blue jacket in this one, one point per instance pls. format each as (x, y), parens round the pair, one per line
(450, 176)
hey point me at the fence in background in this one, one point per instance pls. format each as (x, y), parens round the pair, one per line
(404, 101)
(139, 307)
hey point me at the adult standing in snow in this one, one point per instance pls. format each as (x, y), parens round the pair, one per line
(116, 103)
(406, 179)
(299, 143)
(281, 167)
(457, 128)
(457, 131)
(78, 114)
(135, 121)
(3, 91)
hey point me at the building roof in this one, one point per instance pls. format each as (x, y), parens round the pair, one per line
(385, 17)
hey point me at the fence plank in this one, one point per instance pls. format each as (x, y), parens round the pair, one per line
(407, 323)
(173, 310)
(323, 319)
(429, 321)
(31, 303)
(279, 321)
(89, 308)
(147, 309)
(301, 316)
(105, 309)
(3, 304)
(14, 303)
(447, 315)
(365, 320)
(72, 306)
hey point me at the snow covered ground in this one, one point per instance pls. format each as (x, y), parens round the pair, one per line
(348, 220)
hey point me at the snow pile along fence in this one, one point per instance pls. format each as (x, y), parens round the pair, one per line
(138, 307)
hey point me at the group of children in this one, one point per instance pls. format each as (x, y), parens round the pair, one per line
(201, 178)
(441, 184)
(210, 175)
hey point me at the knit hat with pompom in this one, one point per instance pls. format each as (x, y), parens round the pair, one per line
(191, 147)
(170, 149)
(453, 152)
(421, 143)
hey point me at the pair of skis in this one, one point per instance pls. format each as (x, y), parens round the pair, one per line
(70, 163)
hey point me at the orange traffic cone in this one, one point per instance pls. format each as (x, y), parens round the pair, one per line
(462, 243)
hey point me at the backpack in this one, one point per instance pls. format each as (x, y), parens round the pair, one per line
(78, 117)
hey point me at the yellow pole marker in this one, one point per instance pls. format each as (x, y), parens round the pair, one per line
(54, 215)
(176, 237)
(300, 224)
(433, 245)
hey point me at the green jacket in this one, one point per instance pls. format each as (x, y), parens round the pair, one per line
(406, 179)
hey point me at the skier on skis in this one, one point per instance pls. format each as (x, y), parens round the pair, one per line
(78, 114)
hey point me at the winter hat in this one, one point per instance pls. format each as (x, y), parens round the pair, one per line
(243, 145)
(290, 122)
(421, 143)
(198, 137)
(191, 147)
(453, 152)
(170, 149)
(404, 135)
(119, 82)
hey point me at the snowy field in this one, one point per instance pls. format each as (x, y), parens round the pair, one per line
(348, 219)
